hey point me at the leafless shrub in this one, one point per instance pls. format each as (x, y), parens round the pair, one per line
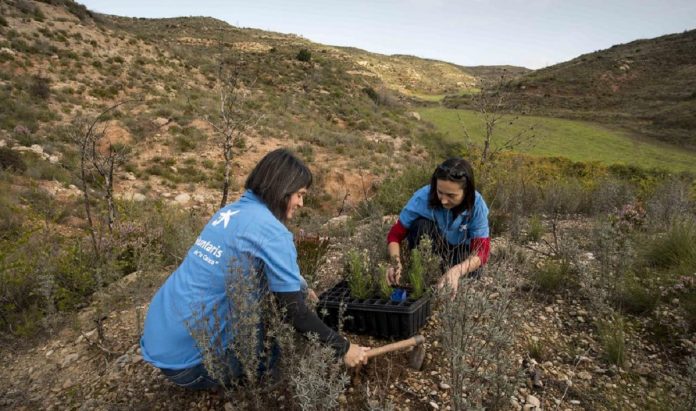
(610, 194)
(307, 369)
(477, 337)
(317, 379)
(669, 201)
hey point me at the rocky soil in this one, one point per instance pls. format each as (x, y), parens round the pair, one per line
(71, 370)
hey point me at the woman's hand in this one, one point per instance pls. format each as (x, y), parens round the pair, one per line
(394, 272)
(356, 355)
(312, 296)
(450, 278)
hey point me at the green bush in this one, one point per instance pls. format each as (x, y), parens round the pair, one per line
(674, 250)
(552, 276)
(612, 336)
(535, 229)
(304, 55)
(11, 215)
(634, 297)
(11, 160)
(359, 278)
(393, 194)
(40, 87)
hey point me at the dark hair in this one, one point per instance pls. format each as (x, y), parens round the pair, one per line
(460, 171)
(278, 175)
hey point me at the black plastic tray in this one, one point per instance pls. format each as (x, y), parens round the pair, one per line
(374, 316)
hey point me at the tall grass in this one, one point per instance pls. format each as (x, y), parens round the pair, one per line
(675, 249)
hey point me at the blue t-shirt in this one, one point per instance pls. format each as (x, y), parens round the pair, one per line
(458, 229)
(242, 235)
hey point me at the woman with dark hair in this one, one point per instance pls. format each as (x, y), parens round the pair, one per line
(453, 214)
(248, 236)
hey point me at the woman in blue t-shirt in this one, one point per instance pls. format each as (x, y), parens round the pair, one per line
(453, 214)
(192, 314)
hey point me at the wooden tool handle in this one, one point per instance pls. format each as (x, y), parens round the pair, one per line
(399, 345)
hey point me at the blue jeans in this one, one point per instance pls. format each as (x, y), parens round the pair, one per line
(198, 378)
(194, 378)
(451, 254)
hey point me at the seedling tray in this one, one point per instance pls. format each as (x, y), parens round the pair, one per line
(374, 316)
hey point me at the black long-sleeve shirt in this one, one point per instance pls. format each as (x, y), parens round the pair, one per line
(305, 320)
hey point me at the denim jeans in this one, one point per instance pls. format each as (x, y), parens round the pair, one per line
(194, 378)
(198, 378)
(451, 254)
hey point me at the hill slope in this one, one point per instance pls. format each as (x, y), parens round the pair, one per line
(646, 86)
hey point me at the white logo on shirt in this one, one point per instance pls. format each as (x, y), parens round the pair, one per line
(225, 218)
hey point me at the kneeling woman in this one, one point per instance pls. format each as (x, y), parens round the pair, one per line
(250, 235)
(454, 215)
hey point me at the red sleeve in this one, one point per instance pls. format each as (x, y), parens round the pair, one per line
(482, 247)
(397, 233)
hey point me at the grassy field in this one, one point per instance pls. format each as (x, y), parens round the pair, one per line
(576, 140)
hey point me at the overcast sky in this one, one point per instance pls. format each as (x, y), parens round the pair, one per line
(530, 33)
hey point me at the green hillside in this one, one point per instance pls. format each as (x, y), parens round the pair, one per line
(576, 140)
(646, 86)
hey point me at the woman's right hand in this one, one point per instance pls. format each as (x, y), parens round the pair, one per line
(356, 355)
(394, 273)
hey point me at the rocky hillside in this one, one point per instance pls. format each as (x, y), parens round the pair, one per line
(61, 62)
(646, 86)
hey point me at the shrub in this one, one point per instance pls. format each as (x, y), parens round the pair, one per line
(673, 250)
(11, 160)
(304, 55)
(310, 254)
(394, 192)
(633, 297)
(40, 87)
(552, 276)
(359, 278)
(535, 228)
(612, 335)
(477, 340)
(11, 216)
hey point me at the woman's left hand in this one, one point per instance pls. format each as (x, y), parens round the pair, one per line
(450, 278)
(312, 296)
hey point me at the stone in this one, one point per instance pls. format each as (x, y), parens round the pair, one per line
(532, 400)
(337, 221)
(575, 402)
(182, 198)
(444, 386)
(434, 405)
(69, 359)
(415, 115)
(161, 121)
(138, 197)
(584, 375)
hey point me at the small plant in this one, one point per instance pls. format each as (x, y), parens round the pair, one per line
(310, 254)
(536, 349)
(359, 279)
(385, 290)
(633, 297)
(552, 276)
(11, 160)
(613, 339)
(534, 229)
(416, 274)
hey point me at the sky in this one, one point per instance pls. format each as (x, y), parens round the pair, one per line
(529, 33)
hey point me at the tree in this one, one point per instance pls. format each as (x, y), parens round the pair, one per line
(236, 118)
(492, 107)
(88, 135)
